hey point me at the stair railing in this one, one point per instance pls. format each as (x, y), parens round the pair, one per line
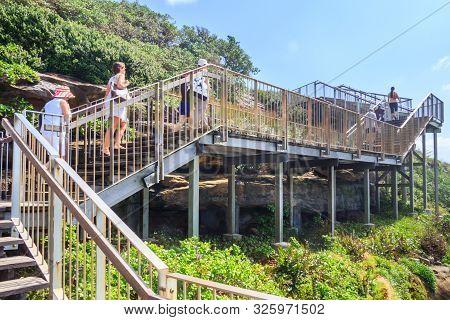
(88, 257)
(430, 109)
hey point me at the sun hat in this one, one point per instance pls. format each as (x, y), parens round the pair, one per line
(202, 62)
(63, 92)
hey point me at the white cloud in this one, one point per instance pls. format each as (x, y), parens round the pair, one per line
(293, 46)
(443, 147)
(442, 64)
(176, 2)
(446, 87)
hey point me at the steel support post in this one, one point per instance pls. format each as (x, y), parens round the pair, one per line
(366, 196)
(394, 191)
(279, 202)
(193, 210)
(232, 218)
(411, 180)
(291, 196)
(436, 173)
(145, 213)
(332, 197)
(377, 193)
(403, 185)
(424, 172)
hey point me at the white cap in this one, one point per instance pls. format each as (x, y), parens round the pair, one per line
(202, 62)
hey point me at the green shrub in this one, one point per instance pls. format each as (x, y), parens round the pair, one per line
(434, 244)
(391, 243)
(15, 105)
(14, 73)
(446, 258)
(348, 245)
(323, 275)
(406, 285)
(422, 271)
(230, 266)
(13, 53)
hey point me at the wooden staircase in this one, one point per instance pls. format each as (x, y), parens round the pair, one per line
(11, 285)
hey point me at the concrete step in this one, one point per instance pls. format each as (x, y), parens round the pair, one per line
(19, 286)
(10, 241)
(6, 224)
(16, 263)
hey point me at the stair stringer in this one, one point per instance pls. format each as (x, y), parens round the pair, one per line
(135, 182)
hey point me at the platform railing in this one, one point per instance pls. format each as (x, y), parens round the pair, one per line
(157, 125)
(337, 96)
(405, 104)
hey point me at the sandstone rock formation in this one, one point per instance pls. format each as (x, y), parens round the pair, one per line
(39, 93)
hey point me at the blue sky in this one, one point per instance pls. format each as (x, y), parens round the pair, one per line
(296, 42)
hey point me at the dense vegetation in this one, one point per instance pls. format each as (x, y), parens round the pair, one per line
(83, 39)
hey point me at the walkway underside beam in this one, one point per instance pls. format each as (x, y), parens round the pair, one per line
(356, 166)
(324, 163)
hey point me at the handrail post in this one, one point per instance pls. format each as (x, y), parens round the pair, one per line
(162, 282)
(328, 120)
(16, 173)
(255, 105)
(172, 291)
(285, 119)
(101, 259)
(308, 119)
(224, 107)
(193, 110)
(358, 136)
(55, 241)
(161, 131)
(111, 142)
(157, 132)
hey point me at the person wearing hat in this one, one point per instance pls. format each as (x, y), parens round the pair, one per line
(200, 98)
(201, 94)
(56, 112)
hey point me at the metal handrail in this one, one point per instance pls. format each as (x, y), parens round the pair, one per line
(93, 231)
(371, 94)
(317, 82)
(116, 259)
(217, 288)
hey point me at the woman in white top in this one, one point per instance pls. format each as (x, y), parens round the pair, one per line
(116, 92)
(56, 112)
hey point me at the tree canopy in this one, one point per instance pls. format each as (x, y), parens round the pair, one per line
(82, 38)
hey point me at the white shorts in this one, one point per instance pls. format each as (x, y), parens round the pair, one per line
(54, 138)
(118, 112)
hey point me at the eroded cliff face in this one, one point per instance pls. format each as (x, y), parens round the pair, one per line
(310, 193)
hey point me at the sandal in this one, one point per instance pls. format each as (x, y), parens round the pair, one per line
(106, 153)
